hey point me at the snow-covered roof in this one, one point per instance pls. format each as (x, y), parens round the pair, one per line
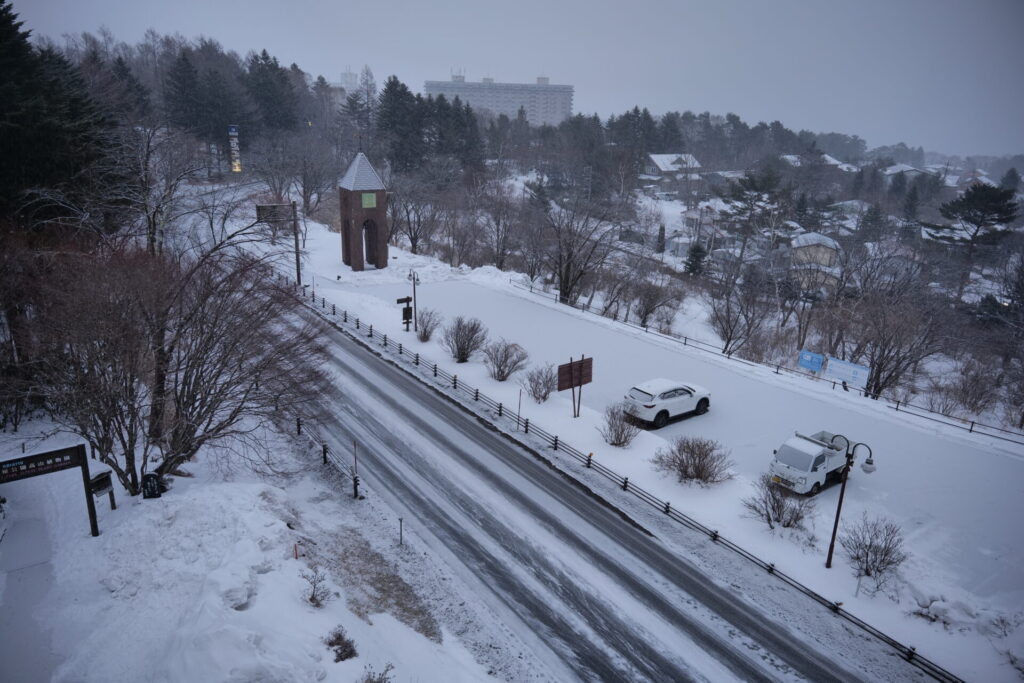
(832, 161)
(732, 175)
(668, 163)
(791, 159)
(361, 175)
(814, 238)
(901, 168)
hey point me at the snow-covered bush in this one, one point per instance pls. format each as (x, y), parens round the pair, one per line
(427, 321)
(778, 506)
(318, 593)
(463, 337)
(618, 429)
(540, 381)
(343, 646)
(874, 547)
(503, 358)
(692, 458)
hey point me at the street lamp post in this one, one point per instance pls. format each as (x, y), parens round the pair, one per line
(414, 278)
(868, 467)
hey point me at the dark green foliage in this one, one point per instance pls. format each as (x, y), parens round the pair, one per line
(873, 224)
(1011, 180)
(53, 131)
(978, 211)
(898, 185)
(911, 204)
(182, 96)
(659, 246)
(695, 258)
(270, 87)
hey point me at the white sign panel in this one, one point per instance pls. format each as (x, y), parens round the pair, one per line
(843, 371)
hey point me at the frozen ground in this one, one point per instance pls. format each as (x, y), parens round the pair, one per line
(203, 584)
(959, 599)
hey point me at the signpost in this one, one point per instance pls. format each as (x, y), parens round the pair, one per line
(236, 157)
(407, 311)
(574, 374)
(844, 371)
(55, 461)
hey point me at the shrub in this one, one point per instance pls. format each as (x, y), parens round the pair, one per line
(371, 676)
(343, 646)
(692, 458)
(463, 337)
(618, 429)
(318, 592)
(503, 358)
(427, 321)
(874, 547)
(541, 381)
(777, 505)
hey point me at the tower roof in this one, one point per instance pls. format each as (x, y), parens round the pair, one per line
(361, 175)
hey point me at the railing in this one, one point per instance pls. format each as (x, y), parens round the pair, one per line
(971, 426)
(498, 413)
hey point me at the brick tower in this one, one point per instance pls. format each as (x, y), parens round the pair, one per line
(364, 212)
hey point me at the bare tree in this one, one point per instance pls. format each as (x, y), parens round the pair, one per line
(499, 217)
(737, 310)
(463, 337)
(776, 505)
(415, 210)
(618, 429)
(874, 547)
(576, 242)
(273, 162)
(503, 359)
(315, 167)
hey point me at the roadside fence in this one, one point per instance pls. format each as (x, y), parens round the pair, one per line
(971, 426)
(510, 419)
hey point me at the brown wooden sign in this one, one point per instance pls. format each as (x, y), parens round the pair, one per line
(43, 463)
(54, 461)
(575, 373)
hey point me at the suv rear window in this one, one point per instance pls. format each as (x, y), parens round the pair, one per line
(640, 395)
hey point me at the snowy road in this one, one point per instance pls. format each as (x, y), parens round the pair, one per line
(603, 598)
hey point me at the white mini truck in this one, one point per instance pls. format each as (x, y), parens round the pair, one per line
(804, 463)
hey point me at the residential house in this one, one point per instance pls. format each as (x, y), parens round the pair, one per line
(813, 261)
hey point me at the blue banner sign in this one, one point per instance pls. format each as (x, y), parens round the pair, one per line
(844, 371)
(810, 360)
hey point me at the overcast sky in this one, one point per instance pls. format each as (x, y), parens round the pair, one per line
(944, 74)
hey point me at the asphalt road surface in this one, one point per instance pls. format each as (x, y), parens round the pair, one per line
(606, 599)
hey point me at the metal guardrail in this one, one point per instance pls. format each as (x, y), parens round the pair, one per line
(970, 426)
(497, 412)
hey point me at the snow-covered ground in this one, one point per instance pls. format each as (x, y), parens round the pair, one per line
(959, 598)
(203, 584)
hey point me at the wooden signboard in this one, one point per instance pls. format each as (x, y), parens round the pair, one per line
(575, 374)
(47, 463)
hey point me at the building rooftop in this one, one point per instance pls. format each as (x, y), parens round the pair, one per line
(361, 175)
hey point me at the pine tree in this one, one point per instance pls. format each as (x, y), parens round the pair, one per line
(978, 215)
(182, 95)
(659, 246)
(399, 126)
(695, 258)
(270, 87)
(872, 224)
(910, 204)
(1011, 180)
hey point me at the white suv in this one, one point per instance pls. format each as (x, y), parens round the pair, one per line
(658, 400)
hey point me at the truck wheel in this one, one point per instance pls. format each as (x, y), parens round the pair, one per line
(702, 406)
(815, 489)
(660, 420)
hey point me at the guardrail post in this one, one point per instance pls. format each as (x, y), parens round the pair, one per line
(357, 323)
(668, 508)
(355, 487)
(771, 568)
(910, 653)
(385, 340)
(714, 535)
(371, 331)
(476, 394)
(625, 484)
(499, 410)
(435, 369)
(416, 361)
(777, 366)
(526, 425)
(971, 430)
(455, 381)
(555, 443)
(334, 310)
(897, 405)
(590, 458)
(684, 341)
(298, 426)
(323, 302)
(344, 316)
(325, 454)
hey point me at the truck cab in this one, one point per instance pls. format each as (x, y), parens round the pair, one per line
(804, 463)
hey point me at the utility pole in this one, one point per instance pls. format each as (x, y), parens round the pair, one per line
(295, 231)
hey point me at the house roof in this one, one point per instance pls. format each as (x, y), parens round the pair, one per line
(361, 175)
(832, 161)
(814, 238)
(791, 159)
(901, 168)
(669, 163)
